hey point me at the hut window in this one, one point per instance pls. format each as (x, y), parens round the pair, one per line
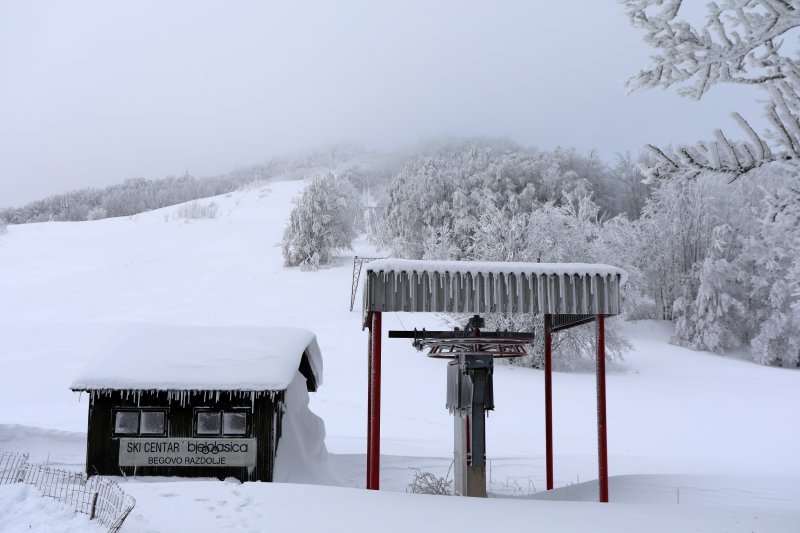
(234, 423)
(152, 423)
(219, 423)
(140, 422)
(126, 423)
(208, 423)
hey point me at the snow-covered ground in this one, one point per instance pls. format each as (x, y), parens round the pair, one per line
(696, 441)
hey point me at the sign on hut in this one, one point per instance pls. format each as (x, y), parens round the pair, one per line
(195, 401)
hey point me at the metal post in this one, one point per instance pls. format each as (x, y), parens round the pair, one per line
(374, 407)
(602, 441)
(548, 397)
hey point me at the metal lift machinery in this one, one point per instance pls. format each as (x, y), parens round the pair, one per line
(470, 390)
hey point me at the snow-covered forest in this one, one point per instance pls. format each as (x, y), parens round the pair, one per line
(138, 195)
(708, 230)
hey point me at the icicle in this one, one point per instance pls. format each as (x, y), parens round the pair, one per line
(413, 288)
(457, 296)
(434, 293)
(445, 277)
(574, 288)
(467, 293)
(495, 291)
(509, 303)
(425, 288)
(486, 295)
(509, 299)
(584, 295)
(542, 294)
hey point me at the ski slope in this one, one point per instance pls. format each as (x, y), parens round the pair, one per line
(696, 441)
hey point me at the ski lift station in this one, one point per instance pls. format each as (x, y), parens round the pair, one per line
(565, 294)
(195, 401)
(201, 401)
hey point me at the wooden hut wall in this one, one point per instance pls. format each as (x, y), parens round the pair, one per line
(102, 452)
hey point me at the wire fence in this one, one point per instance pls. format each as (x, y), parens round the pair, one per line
(100, 498)
(12, 467)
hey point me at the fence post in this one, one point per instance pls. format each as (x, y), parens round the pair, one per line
(94, 506)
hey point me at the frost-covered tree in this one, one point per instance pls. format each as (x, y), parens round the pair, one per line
(773, 257)
(752, 293)
(440, 196)
(631, 180)
(711, 315)
(322, 222)
(740, 42)
(675, 233)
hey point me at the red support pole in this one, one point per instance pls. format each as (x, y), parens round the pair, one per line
(548, 397)
(602, 441)
(374, 404)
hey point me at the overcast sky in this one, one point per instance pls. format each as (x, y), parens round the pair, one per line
(93, 93)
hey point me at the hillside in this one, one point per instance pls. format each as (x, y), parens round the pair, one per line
(716, 433)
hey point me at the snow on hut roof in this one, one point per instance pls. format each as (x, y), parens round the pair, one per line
(176, 357)
(497, 267)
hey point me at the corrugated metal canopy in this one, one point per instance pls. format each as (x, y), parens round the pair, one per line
(492, 287)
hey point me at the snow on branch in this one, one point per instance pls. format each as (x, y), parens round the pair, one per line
(739, 43)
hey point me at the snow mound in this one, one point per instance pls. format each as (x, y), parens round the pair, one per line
(302, 456)
(22, 508)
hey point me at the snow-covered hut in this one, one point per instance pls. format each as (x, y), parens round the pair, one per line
(195, 401)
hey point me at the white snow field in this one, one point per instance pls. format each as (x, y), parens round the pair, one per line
(697, 442)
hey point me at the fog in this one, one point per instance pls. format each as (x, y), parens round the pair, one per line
(92, 93)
